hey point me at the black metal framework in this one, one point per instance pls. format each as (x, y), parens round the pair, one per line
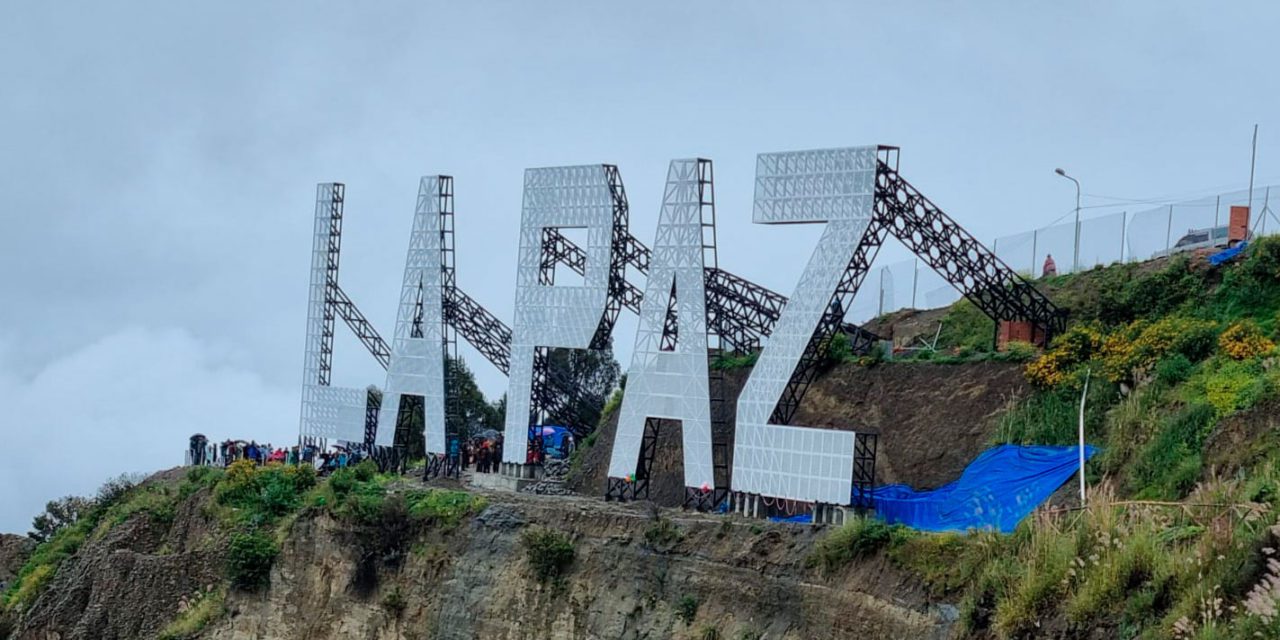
(697, 497)
(741, 311)
(333, 253)
(958, 257)
(864, 469)
(445, 464)
(372, 405)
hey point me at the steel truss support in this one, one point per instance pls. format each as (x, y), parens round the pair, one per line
(742, 312)
(447, 464)
(958, 257)
(333, 254)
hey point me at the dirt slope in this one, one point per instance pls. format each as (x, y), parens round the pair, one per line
(932, 420)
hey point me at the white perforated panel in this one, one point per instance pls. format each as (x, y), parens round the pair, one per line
(327, 412)
(555, 316)
(417, 361)
(671, 384)
(836, 186)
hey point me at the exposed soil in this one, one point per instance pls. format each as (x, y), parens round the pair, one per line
(1243, 440)
(933, 419)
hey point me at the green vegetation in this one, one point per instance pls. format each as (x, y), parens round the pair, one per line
(549, 553)
(255, 507)
(687, 609)
(394, 602)
(92, 519)
(249, 559)
(729, 362)
(195, 613)
(859, 537)
(966, 329)
(663, 534)
(708, 632)
(1167, 548)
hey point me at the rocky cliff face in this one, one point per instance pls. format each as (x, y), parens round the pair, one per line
(128, 582)
(474, 582)
(637, 572)
(14, 550)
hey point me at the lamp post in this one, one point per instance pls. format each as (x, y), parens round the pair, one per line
(1075, 263)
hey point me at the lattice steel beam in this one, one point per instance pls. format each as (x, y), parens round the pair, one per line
(742, 311)
(360, 325)
(958, 257)
(945, 246)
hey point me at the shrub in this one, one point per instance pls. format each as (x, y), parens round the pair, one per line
(1244, 340)
(728, 362)
(663, 534)
(365, 471)
(1134, 350)
(443, 507)
(1174, 370)
(859, 537)
(1231, 385)
(965, 326)
(394, 602)
(262, 494)
(839, 349)
(195, 614)
(549, 553)
(249, 559)
(198, 478)
(44, 561)
(1074, 347)
(687, 609)
(1165, 290)
(342, 481)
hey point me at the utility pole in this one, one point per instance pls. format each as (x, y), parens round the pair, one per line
(1075, 263)
(1083, 396)
(1253, 161)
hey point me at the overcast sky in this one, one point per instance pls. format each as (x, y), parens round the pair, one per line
(158, 164)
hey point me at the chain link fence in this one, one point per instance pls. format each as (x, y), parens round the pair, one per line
(1103, 240)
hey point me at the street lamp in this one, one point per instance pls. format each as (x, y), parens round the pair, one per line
(1075, 264)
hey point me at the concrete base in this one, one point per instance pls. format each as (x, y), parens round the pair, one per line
(500, 482)
(831, 514)
(520, 471)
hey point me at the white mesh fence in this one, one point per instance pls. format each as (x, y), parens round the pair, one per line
(1103, 240)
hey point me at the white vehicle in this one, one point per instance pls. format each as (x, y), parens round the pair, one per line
(1206, 238)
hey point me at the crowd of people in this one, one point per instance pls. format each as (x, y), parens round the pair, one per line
(485, 454)
(202, 452)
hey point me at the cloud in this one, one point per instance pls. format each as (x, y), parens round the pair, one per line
(125, 403)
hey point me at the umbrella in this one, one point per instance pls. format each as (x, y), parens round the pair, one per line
(489, 434)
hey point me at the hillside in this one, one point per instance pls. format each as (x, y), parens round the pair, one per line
(1178, 539)
(370, 556)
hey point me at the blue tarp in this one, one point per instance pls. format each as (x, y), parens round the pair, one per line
(996, 491)
(1227, 254)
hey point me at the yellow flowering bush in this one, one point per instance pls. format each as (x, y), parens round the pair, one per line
(1244, 340)
(1135, 349)
(1077, 345)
